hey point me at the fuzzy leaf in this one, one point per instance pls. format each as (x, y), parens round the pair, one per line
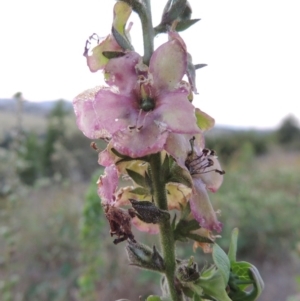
(212, 283)
(222, 262)
(245, 274)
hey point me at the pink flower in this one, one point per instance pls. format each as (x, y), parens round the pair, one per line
(141, 105)
(112, 197)
(206, 174)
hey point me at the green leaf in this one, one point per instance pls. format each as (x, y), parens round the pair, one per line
(212, 283)
(222, 262)
(233, 245)
(137, 178)
(243, 275)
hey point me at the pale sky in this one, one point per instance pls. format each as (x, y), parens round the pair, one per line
(252, 48)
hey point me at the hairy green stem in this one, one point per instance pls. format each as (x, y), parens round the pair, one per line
(148, 31)
(166, 233)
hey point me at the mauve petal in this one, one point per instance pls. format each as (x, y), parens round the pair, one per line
(100, 112)
(105, 158)
(202, 209)
(177, 112)
(144, 227)
(86, 117)
(178, 146)
(107, 185)
(136, 143)
(211, 178)
(168, 65)
(121, 72)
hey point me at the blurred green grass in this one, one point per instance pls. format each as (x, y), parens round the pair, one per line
(47, 255)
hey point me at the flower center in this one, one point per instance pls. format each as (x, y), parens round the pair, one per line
(200, 164)
(147, 104)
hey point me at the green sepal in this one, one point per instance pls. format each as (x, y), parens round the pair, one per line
(185, 24)
(204, 121)
(137, 178)
(122, 12)
(199, 238)
(173, 223)
(173, 10)
(198, 66)
(113, 54)
(140, 191)
(166, 167)
(180, 175)
(115, 152)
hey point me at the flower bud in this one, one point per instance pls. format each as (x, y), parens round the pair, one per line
(148, 212)
(143, 256)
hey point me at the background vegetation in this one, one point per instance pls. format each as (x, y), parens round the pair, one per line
(54, 239)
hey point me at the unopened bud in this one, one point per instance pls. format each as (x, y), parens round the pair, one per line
(143, 256)
(148, 212)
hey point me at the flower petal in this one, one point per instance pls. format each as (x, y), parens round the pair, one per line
(100, 112)
(86, 117)
(179, 146)
(107, 185)
(202, 209)
(177, 194)
(177, 112)
(211, 178)
(121, 72)
(168, 64)
(137, 142)
(144, 227)
(97, 61)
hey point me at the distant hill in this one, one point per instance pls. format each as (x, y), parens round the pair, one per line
(40, 108)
